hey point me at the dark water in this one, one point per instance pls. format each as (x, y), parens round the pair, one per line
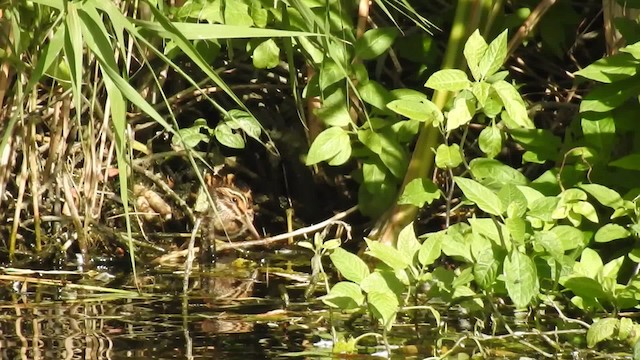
(256, 311)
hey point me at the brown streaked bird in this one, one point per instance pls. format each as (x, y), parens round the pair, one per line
(233, 215)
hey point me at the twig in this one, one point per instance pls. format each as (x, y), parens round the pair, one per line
(529, 24)
(266, 241)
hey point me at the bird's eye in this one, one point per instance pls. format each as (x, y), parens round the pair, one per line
(234, 199)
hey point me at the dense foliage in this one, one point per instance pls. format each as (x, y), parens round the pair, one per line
(481, 113)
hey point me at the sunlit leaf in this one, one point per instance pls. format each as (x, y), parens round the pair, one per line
(375, 42)
(486, 199)
(448, 80)
(521, 278)
(350, 266)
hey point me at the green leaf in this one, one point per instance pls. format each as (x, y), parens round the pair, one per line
(420, 191)
(601, 330)
(330, 73)
(334, 111)
(513, 104)
(374, 175)
(604, 195)
(237, 13)
(585, 287)
(485, 268)
(266, 55)
(490, 141)
(328, 144)
(393, 154)
(494, 56)
(629, 162)
(385, 281)
(474, 50)
(375, 94)
(600, 134)
(228, 137)
(430, 249)
(417, 109)
(344, 295)
(512, 197)
(387, 254)
(448, 157)
(408, 244)
(384, 305)
(493, 171)
(461, 113)
(375, 42)
(611, 232)
(481, 91)
(590, 263)
(611, 68)
(610, 96)
(521, 278)
(448, 80)
(551, 243)
(349, 265)
(569, 237)
(587, 210)
(484, 198)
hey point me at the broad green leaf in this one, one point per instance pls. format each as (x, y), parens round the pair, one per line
(629, 162)
(610, 96)
(387, 254)
(585, 287)
(430, 249)
(610, 232)
(393, 154)
(517, 229)
(512, 197)
(587, 210)
(551, 243)
(521, 278)
(330, 73)
(382, 280)
(408, 244)
(481, 91)
(448, 80)
(485, 268)
(375, 42)
(374, 175)
(236, 13)
(490, 141)
(328, 144)
(344, 295)
(590, 263)
(228, 137)
(448, 157)
(334, 111)
(461, 113)
(474, 50)
(350, 266)
(604, 195)
(493, 171)
(602, 329)
(266, 55)
(540, 142)
(513, 104)
(494, 56)
(612, 268)
(383, 305)
(375, 94)
(543, 208)
(417, 109)
(600, 134)
(420, 191)
(569, 237)
(611, 68)
(484, 198)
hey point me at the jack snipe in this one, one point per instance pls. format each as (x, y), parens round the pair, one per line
(233, 215)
